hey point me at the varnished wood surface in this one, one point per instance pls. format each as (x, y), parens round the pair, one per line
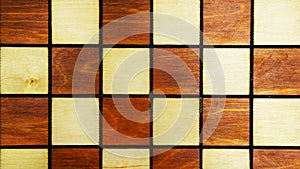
(277, 71)
(24, 121)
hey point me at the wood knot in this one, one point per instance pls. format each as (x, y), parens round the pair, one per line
(31, 81)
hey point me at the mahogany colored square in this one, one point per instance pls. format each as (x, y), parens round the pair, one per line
(24, 121)
(277, 71)
(138, 27)
(82, 80)
(228, 126)
(126, 121)
(227, 22)
(24, 21)
(176, 158)
(176, 70)
(75, 158)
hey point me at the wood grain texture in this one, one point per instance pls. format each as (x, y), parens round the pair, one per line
(233, 127)
(87, 73)
(24, 121)
(24, 21)
(126, 121)
(115, 9)
(75, 158)
(176, 158)
(269, 159)
(227, 22)
(176, 70)
(277, 71)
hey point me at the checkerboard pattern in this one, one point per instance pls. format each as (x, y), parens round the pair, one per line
(149, 95)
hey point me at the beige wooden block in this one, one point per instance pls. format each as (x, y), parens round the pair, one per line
(182, 25)
(126, 158)
(225, 158)
(24, 158)
(75, 21)
(126, 71)
(276, 122)
(277, 22)
(75, 122)
(24, 70)
(176, 121)
(236, 71)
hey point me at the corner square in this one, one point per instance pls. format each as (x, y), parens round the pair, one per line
(277, 71)
(126, 121)
(24, 121)
(75, 158)
(24, 70)
(276, 22)
(233, 127)
(176, 70)
(276, 122)
(120, 76)
(75, 121)
(226, 158)
(276, 159)
(176, 158)
(24, 158)
(24, 22)
(83, 80)
(226, 71)
(176, 121)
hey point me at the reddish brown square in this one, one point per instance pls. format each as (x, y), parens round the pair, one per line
(24, 121)
(232, 129)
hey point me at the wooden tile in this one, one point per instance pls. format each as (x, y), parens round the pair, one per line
(227, 22)
(120, 76)
(176, 158)
(277, 71)
(225, 158)
(233, 127)
(24, 22)
(277, 22)
(176, 70)
(68, 124)
(24, 70)
(66, 16)
(75, 158)
(133, 25)
(24, 121)
(126, 158)
(234, 79)
(176, 121)
(183, 22)
(269, 159)
(126, 121)
(276, 122)
(24, 158)
(87, 72)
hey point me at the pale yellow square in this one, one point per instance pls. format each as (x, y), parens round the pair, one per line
(24, 70)
(277, 22)
(276, 122)
(75, 21)
(75, 121)
(176, 121)
(225, 159)
(24, 158)
(126, 158)
(226, 71)
(126, 71)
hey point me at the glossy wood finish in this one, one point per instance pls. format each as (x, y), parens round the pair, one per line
(227, 22)
(24, 121)
(24, 21)
(75, 158)
(63, 64)
(277, 71)
(233, 127)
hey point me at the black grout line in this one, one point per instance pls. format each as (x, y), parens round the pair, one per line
(201, 83)
(100, 83)
(151, 82)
